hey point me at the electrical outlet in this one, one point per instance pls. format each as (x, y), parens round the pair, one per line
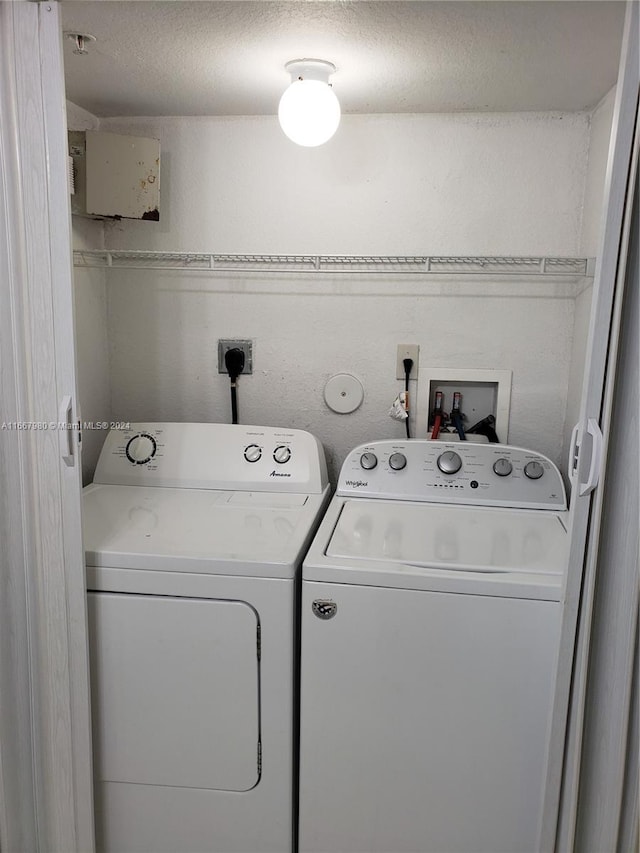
(407, 351)
(247, 348)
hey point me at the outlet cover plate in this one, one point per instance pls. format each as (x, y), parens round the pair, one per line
(246, 346)
(407, 351)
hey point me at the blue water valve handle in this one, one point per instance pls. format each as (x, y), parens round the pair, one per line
(456, 415)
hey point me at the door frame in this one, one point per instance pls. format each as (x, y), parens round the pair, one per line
(563, 765)
(44, 661)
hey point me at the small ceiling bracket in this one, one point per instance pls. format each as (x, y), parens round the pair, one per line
(81, 40)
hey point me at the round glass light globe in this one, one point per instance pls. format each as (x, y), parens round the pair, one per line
(309, 112)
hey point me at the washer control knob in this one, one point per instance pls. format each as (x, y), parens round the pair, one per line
(502, 467)
(397, 461)
(252, 453)
(368, 461)
(282, 454)
(533, 470)
(449, 462)
(141, 448)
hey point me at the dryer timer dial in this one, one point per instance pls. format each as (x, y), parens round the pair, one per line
(141, 448)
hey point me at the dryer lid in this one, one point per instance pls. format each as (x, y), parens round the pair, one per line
(201, 531)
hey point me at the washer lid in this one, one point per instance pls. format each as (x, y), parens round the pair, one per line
(474, 539)
(201, 531)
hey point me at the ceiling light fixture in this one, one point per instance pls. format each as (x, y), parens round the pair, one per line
(309, 111)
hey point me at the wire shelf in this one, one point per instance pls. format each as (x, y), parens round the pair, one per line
(387, 264)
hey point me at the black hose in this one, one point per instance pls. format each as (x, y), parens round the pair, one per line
(234, 362)
(407, 364)
(234, 403)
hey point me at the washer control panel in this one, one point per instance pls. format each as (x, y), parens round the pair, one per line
(213, 456)
(464, 473)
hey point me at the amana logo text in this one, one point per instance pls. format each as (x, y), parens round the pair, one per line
(279, 474)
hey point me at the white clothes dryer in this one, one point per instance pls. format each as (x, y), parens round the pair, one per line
(194, 534)
(431, 608)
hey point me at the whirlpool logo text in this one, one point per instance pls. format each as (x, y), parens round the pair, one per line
(356, 484)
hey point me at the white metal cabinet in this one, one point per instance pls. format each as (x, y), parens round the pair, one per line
(115, 176)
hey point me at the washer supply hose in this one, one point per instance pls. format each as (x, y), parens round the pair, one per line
(456, 415)
(437, 415)
(486, 427)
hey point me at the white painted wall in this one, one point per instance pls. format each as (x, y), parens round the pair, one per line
(164, 329)
(90, 304)
(450, 184)
(458, 184)
(600, 132)
(80, 119)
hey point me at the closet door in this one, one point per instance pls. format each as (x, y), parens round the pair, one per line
(45, 734)
(589, 448)
(609, 757)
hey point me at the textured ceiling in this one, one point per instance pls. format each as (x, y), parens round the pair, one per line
(178, 57)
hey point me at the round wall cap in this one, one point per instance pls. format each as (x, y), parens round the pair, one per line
(343, 393)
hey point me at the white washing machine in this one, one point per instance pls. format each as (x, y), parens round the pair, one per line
(431, 602)
(193, 535)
